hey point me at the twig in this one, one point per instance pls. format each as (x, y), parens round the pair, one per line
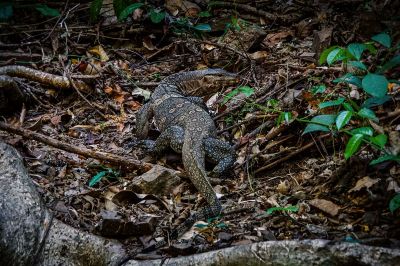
(128, 162)
(83, 97)
(273, 132)
(305, 147)
(252, 134)
(245, 8)
(222, 46)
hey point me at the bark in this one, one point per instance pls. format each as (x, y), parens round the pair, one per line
(307, 252)
(29, 235)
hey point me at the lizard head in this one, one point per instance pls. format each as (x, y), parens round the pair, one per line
(207, 81)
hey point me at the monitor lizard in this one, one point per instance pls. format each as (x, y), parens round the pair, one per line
(187, 128)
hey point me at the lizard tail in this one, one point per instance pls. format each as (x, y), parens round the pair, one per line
(193, 156)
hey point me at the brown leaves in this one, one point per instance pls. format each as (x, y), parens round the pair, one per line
(365, 182)
(325, 206)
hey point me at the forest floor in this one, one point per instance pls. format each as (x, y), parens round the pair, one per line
(293, 179)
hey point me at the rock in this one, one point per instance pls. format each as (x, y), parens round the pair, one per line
(158, 181)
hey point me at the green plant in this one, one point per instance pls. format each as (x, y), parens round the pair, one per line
(347, 112)
(394, 203)
(106, 173)
(7, 10)
(289, 208)
(246, 90)
(123, 8)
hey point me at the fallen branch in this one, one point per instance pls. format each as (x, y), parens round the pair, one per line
(42, 77)
(128, 162)
(244, 7)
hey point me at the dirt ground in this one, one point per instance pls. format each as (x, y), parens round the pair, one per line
(284, 185)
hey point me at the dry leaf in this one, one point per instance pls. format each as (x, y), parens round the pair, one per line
(55, 120)
(366, 182)
(259, 55)
(148, 44)
(108, 90)
(283, 187)
(325, 206)
(99, 51)
(274, 38)
(133, 105)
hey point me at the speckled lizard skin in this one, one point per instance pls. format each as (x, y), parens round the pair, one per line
(187, 128)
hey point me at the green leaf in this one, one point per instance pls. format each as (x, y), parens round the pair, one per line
(47, 11)
(375, 101)
(343, 119)
(120, 5)
(288, 116)
(272, 103)
(157, 16)
(202, 27)
(349, 78)
(335, 55)
(385, 158)
(353, 145)
(358, 64)
(97, 178)
(289, 208)
(348, 107)
(379, 140)
(204, 14)
(356, 50)
(129, 10)
(368, 131)
(383, 38)
(325, 53)
(337, 102)
(371, 48)
(284, 116)
(221, 225)
(95, 7)
(6, 11)
(318, 89)
(395, 61)
(320, 123)
(375, 85)
(246, 90)
(394, 203)
(368, 113)
(201, 226)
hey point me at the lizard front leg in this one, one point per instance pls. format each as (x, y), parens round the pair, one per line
(198, 101)
(143, 116)
(219, 152)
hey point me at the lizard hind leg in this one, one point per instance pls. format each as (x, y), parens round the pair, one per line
(170, 137)
(219, 152)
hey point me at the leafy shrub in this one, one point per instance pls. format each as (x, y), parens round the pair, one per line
(347, 112)
(123, 9)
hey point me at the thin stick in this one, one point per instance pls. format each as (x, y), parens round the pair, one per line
(305, 147)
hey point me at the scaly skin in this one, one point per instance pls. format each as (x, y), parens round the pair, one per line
(187, 127)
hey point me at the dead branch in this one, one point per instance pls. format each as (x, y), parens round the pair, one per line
(244, 7)
(103, 156)
(42, 77)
